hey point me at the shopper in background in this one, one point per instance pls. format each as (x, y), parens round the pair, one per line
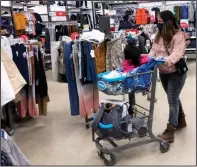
(170, 43)
(126, 24)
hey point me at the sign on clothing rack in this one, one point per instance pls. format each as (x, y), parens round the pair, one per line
(57, 13)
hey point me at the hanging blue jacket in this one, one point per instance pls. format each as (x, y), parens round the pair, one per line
(185, 12)
(141, 82)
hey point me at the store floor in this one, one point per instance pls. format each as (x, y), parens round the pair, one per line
(59, 139)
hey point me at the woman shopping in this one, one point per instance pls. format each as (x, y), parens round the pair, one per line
(170, 44)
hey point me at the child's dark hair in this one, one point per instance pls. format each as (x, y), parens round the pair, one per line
(132, 53)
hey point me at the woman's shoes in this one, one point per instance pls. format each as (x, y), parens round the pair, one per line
(181, 121)
(168, 134)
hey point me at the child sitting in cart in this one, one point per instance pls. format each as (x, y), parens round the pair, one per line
(134, 58)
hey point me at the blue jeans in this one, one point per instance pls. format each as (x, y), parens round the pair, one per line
(173, 84)
(72, 86)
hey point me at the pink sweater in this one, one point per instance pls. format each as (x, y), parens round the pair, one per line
(127, 65)
(176, 50)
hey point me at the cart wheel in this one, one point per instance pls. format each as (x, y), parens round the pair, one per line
(142, 132)
(164, 146)
(111, 161)
(87, 126)
(101, 156)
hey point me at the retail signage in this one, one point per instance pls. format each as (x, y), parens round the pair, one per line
(60, 13)
(57, 13)
(184, 23)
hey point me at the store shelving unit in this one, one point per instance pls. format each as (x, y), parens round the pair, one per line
(10, 18)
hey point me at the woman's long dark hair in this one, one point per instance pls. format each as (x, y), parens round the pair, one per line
(170, 27)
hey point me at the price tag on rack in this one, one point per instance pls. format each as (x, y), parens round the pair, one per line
(92, 54)
(86, 27)
(25, 8)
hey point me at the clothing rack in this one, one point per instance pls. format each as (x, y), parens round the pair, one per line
(87, 119)
(86, 116)
(165, 5)
(14, 41)
(54, 23)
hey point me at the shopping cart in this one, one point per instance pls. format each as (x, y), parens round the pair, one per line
(108, 155)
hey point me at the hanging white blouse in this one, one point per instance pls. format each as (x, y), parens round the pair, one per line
(54, 58)
(7, 92)
(5, 44)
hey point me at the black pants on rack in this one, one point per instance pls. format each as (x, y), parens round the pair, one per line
(80, 3)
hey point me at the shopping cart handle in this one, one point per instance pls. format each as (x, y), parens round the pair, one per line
(109, 126)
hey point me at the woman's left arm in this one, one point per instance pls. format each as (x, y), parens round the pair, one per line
(177, 51)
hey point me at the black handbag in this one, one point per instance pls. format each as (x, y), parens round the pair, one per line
(181, 65)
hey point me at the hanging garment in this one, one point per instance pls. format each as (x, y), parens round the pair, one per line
(30, 28)
(65, 30)
(184, 12)
(72, 86)
(40, 87)
(178, 12)
(108, 56)
(80, 3)
(22, 104)
(73, 29)
(54, 58)
(100, 57)
(88, 93)
(14, 75)
(73, 17)
(87, 64)
(8, 146)
(191, 13)
(87, 20)
(62, 68)
(20, 59)
(126, 25)
(27, 104)
(21, 21)
(142, 16)
(58, 32)
(47, 41)
(5, 44)
(41, 82)
(115, 54)
(7, 92)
